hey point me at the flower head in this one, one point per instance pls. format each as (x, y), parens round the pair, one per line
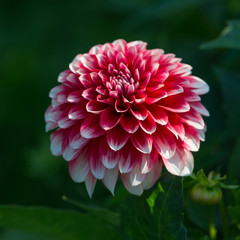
(124, 108)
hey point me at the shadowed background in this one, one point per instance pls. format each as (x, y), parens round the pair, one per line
(38, 39)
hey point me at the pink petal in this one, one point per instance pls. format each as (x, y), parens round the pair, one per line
(135, 176)
(191, 140)
(69, 153)
(172, 88)
(152, 176)
(136, 190)
(181, 164)
(200, 87)
(197, 106)
(175, 104)
(54, 91)
(52, 114)
(94, 159)
(148, 125)
(120, 106)
(75, 97)
(117, 138)
(89, 94)
(50, 126)
(78, 168)
(90, 127)
(109, 118)
(164, 142)
(159, 115)
(56, 143)
(129, 123)
(78, 111)
(181, 69)
(129, 157)
(110, 179)
(90, 184)
(142, 141)
(193, 119)
(148, 161)
(139, 111)
(109, 157)
(175, 125)
(89, 61)
(76, 141)
(155, 96)
(94, 106)
(64, 121)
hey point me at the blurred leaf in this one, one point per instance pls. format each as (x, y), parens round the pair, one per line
(17, 235)
(229, 38)
(56, 224)
(234, 166)
(158, 216)
(230, 83)
(198, 214)
(103, 213)
(235, 214)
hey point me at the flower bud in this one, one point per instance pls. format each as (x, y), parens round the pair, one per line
(206, 195)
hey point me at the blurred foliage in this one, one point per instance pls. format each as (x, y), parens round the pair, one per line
(158, 216)
(37, 41)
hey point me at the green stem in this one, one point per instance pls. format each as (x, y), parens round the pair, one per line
(224, 219)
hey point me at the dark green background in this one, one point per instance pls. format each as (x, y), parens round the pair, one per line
(38, 39)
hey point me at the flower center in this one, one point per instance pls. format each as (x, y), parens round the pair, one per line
(121, 84)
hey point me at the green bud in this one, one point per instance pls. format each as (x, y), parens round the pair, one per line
(206, 195)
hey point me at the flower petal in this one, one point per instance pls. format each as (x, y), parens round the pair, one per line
(78, 168)
(109, 157)
(175, 125)
(148, 125)
(152, 176)
(117, 138)
(174, 103)
(191, 140)
(193, 119)
(142, 141)
(90, 183)
(136, 190)
(197, 106)
(164, 142)
(56, 143)
(129, 123)
(78, 111)
(90, 127)
(69, 153)
(95, 106)
(181, 164)
(110, 179)
(76, 141)
(148, 161)
(139, 111)
(159, 115)
(109, 118)
(135, 176)
(94, 159)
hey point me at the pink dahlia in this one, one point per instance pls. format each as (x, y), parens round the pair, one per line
(124, 108)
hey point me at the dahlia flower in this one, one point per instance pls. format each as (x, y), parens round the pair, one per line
(122, 108)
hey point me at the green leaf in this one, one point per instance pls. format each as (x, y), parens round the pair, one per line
(229, 38)
(105, 214)
(157, 214)
(56, 224)
(230, 83)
